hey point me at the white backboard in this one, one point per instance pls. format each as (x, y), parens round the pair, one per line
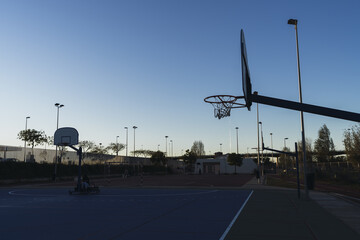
(66, 136)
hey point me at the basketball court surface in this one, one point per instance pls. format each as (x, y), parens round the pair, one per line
(115, 213)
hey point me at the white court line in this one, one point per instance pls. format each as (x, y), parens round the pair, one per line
(15, 193)
(156, 195)
(236, 216)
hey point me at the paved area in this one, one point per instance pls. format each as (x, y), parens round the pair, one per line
(344, 208)
(277, 213)
(118, 213)
(207, 211)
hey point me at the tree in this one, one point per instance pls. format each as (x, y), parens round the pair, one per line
(62, 153)
(323, 145)
(285, 159)
(352, 144)
(158, 158)
(116, 147)
(99, 150)
(198, 148)
(144, 153)
(32, 137)
(189, 158)
(235, 159)
(309, 150)
(86, 147)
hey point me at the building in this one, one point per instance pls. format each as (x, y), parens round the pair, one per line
(219, 165)
(65, 155)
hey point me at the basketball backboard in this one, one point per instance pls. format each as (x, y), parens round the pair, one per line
(246, 81)
(66, 136)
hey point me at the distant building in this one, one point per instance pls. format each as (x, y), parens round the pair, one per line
(219, 165)
(68, 156)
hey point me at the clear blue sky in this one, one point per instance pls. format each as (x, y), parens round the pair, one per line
(151, 63)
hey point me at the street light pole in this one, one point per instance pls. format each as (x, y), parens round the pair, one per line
(171, 148)
(258, 138)
(58, 106)
(262, 150)
(166, 137)
(237, 140)
(272, 153)
(285, 150)
(285, 143)
(126, 141)
(294, 22)
(134, 127)
(221, 147)
(25, 140)
(117, 146)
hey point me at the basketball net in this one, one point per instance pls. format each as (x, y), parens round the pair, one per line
(223, 104)
(221, 109)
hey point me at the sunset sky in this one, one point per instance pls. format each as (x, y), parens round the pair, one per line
(150, 64)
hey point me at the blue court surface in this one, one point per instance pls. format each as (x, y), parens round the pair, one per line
(115, 213)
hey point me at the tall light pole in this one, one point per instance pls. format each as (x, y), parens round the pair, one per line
(171, 148)
(237, 140)
(285, 156)
(126, 141)
(158, 147)
(220, 147)
(166, 137)
(258, 138)
(25, 140)
(262, 150)
(58, 106)
(285, 143)
(117, 146)
(272, 153)
(294, 22)
(134, 127)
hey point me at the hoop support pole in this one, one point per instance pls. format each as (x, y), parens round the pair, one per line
(329, 112)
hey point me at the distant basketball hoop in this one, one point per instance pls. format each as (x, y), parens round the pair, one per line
(223, 104)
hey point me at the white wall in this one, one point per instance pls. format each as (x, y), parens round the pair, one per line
(248, 166)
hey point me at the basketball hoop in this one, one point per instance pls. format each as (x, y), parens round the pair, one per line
(223, 104)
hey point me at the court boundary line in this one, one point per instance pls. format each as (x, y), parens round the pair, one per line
(236, 216)
(15, 193)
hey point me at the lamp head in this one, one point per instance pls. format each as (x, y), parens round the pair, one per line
(292, 21)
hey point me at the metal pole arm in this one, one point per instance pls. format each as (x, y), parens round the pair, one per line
(278, 151)
(329, 112)
(77, 150)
